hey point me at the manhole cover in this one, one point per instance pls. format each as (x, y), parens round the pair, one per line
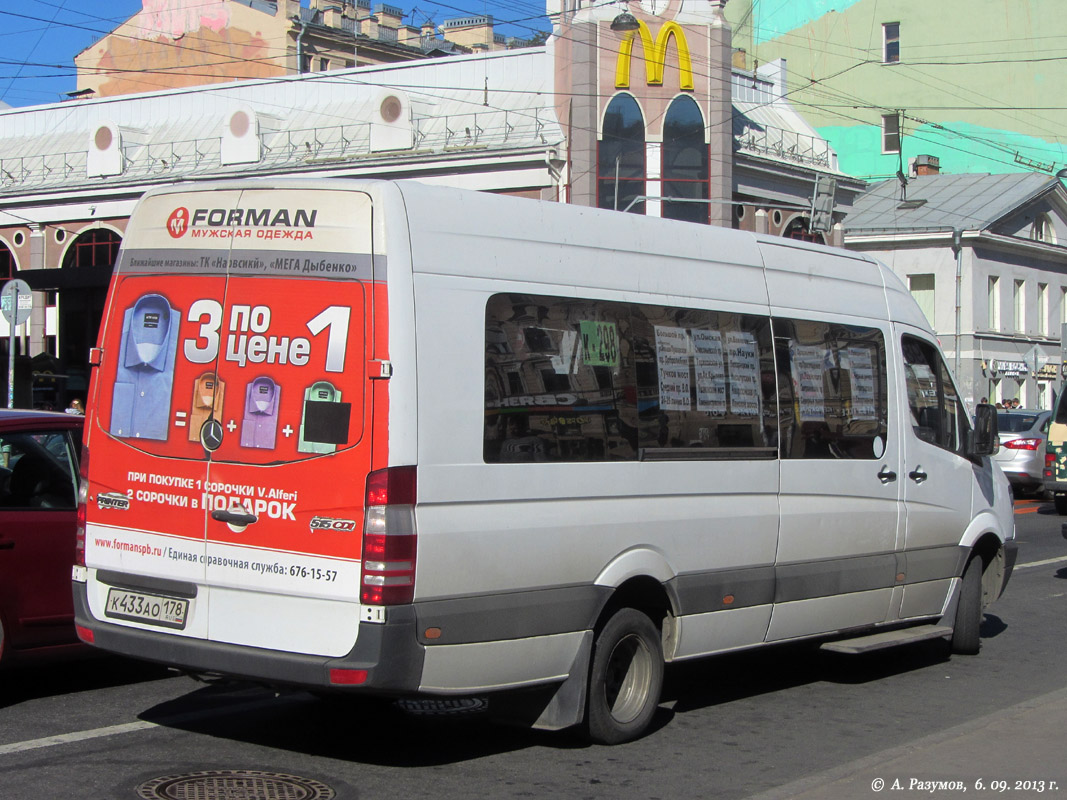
(234, 784)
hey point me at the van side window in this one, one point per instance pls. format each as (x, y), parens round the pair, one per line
(937, 415)
(832, 381)
(585, 380)
(559, 381)
(705, 384)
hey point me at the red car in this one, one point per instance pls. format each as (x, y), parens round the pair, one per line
(38, 515)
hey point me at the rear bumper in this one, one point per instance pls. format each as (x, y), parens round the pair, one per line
(1055, 486)
(389, 653)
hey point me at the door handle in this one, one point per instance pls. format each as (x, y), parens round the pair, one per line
(7, 545)
(236, 517)
(918, 474)
(887, 475)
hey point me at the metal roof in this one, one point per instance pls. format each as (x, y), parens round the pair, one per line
(303, 119)
(967, 202)
(489, 105)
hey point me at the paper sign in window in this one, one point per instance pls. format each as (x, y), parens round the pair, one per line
(600, 343)
(710, 372)
(861, 365)
(672, 363)
(742, 357)
(808, 362)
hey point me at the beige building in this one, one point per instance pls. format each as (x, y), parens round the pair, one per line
(172, 44)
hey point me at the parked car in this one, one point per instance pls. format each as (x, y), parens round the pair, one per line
(38, 516)
(1022, 447)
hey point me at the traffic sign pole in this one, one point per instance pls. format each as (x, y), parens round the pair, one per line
(16, 303)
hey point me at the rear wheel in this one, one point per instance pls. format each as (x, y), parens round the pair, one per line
(1061, 503)
(965, 631)
(625, 679)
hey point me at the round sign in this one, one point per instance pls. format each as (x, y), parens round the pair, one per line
(16, 301)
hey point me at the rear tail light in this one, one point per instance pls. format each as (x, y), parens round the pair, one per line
(1022, 444)
(83, 503)
(389, 538)
(1050, 464)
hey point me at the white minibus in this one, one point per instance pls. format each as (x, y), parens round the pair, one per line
(414, 441)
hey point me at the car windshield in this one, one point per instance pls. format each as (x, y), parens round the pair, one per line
(1015, 423)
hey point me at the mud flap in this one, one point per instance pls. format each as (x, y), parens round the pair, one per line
(549, 708)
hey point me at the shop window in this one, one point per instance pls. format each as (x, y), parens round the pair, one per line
(621, 167)
(685, 162)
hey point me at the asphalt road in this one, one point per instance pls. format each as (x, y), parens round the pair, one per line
(784, 722)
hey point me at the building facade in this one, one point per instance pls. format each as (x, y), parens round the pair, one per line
(985, 256)
(658, 122)
(974, 83)
(170, 45)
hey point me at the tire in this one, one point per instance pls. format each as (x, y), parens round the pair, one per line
(1061, 503)
(965, 631)
(625, 679)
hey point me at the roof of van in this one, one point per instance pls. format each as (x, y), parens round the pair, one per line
(581, 246)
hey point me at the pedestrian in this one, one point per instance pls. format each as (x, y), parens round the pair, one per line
(76, 407)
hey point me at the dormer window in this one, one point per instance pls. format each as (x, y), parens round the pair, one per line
(1042, 230)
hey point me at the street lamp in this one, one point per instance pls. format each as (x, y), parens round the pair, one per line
(625, 22)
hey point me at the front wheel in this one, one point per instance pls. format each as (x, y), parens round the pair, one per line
(625, 679)
(965, 631)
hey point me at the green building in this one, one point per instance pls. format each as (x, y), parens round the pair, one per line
(977, 84)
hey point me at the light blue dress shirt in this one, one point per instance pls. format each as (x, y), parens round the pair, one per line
(260, 424)
(140, 402)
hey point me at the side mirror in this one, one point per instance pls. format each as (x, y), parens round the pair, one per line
(984, 440)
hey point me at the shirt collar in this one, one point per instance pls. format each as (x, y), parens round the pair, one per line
(204, 397)
(323, 392)
(149, 333)
(262, 402)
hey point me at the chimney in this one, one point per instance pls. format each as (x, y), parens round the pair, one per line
(927, 165)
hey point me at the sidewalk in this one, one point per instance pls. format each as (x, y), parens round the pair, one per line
(1023, 746)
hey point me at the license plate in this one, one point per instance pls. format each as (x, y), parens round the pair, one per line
(153, 609)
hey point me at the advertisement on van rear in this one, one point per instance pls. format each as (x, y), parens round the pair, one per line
(230, 405)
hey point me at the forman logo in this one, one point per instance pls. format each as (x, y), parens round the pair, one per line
(178, 223)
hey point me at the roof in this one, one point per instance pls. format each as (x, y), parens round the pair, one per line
(968, 202)
(306, 121)
(19, 419)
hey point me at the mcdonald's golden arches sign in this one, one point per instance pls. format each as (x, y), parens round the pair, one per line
(655, 53)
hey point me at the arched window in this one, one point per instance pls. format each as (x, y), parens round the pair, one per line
(685, 161)
(7, 263)
(621, 156)
(95, 248)
(1043, 230)
(800, 228)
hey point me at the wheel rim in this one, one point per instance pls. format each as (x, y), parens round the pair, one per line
(628, 678)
